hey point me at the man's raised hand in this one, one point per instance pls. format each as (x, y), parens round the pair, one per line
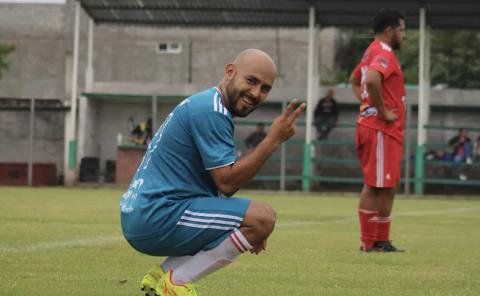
(283, 127)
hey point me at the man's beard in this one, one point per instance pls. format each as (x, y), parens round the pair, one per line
(233, 96)
(396, 45)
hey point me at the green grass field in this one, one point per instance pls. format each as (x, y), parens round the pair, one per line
(68, 242)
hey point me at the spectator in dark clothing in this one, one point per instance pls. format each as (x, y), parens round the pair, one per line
(462, 149)
(325, 116)
(148, 132)
(256, 137)
(142, 134)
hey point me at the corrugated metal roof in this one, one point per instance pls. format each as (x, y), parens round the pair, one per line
(278, 13)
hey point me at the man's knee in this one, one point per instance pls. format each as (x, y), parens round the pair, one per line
(266, 217)
(261, 216)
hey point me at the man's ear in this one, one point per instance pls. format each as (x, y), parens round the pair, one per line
(229, 71)
(390, 30)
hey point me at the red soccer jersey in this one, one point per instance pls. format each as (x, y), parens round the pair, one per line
(379, 56)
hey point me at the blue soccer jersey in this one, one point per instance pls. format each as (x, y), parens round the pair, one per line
(195, 137)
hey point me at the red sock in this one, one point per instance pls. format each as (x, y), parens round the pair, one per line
(368, 227)
(384, 228)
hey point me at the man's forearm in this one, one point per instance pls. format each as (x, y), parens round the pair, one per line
(375, 94)
(231, 178)
(248, 166)
(357, 91)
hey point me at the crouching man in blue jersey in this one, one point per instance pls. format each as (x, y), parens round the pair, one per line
(178, 202)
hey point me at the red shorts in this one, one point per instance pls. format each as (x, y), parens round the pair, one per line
(380, 156)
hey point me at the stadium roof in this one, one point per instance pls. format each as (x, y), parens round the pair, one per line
(459, 14)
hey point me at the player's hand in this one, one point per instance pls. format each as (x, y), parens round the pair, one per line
(389, 116)
(258, 248)
(283, 127)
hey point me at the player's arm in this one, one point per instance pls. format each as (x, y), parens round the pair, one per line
(230, 179)
(355, 80)
(374, 87)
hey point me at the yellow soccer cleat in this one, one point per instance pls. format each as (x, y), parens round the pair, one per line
(168, 288)
(150, 281)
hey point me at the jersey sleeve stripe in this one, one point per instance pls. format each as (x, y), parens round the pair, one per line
(220, 166)
(215, 102)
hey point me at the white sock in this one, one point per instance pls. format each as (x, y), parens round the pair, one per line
(172, 263)
(206, 262)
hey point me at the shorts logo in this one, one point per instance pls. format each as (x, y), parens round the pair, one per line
(388, 177)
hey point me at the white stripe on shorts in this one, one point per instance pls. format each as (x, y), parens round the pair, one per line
(380, 159)
(209, 221)
(214, 215)
(205, 226)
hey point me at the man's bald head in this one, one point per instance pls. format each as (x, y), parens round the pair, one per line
(248, 81)
(256, 57)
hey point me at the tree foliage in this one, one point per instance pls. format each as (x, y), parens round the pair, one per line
(455, 57)
(5, 50)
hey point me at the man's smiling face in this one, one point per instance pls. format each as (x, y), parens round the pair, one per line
(248, 85)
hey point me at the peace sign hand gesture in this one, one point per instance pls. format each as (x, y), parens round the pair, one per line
(283, 127)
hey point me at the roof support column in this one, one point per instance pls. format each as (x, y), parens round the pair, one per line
(86, 122)
(89, 71)
(154, 114)
(312, 86)
(423, 100)
(283, 157)
(31, 137)
(426, 73)
(70, 137)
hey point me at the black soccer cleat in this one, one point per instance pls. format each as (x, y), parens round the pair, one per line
(385, 246)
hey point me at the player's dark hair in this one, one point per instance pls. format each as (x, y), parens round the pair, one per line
(386, 18)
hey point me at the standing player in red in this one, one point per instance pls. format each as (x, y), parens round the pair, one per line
(378, 83)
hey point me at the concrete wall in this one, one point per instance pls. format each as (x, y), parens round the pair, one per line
(205, 52)
(48, 140)
(37, 66)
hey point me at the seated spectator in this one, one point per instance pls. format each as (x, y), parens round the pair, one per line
(256, 137)
(439, 154)
(136, 135)
(142, 134)
(461, 150)
(477, 149)
(148, 132)
(325, 116)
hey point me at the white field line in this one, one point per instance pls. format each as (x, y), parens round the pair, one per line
(102, 240)
(354, 218)
(62, 244)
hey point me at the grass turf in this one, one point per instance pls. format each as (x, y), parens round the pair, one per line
(68, 242)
